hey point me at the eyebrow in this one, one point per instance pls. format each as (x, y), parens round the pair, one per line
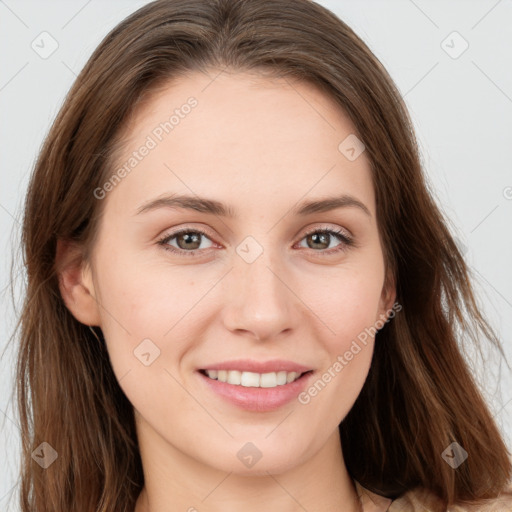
(213, 207)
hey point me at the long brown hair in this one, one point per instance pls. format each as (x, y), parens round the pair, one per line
(420, 395)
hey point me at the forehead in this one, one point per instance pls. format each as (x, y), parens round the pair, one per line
(258, 137)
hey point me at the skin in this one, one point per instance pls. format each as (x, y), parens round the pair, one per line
(259, 145)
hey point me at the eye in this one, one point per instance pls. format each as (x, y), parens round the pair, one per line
(319, 239)
(188, 241)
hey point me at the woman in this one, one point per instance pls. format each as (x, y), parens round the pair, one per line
(303, 352)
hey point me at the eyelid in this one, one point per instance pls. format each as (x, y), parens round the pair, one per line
(172, 232)
(326, 227)
(305, 231)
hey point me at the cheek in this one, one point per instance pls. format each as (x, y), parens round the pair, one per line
(145, 300)
(347, 303)
(347, 306)
(348, 347)
(137, 309)
(143, 332)
(152, 317)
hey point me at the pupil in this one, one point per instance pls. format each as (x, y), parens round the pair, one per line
(189, 238)
(323, 236)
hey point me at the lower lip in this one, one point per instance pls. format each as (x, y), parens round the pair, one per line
(258, 399)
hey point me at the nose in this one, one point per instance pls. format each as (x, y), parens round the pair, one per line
(259, 299)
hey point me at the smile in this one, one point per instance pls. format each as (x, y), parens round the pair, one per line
(253, 391)
(252, 379)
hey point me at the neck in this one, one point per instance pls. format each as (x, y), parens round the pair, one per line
(174, 481)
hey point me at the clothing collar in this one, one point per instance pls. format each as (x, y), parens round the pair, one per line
(371, 501)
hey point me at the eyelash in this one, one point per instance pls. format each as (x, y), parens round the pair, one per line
(347, 241)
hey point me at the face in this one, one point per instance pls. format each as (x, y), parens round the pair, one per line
(244, 279)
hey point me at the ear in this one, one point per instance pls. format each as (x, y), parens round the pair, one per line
(388, 295)
(75, 283)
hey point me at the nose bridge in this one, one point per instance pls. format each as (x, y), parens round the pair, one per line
(258, 271)
(260, 301)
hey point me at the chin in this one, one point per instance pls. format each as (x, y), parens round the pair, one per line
(251, 461)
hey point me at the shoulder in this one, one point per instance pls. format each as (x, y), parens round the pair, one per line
(422, 500)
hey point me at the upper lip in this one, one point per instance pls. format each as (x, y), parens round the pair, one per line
(250, 365)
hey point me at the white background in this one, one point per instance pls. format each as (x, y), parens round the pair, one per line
(461, 108)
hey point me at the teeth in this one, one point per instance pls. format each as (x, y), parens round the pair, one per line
(234, 377)
(253, 380)
(248, 379)
(268, 380)
(290, 377)
(281, 378)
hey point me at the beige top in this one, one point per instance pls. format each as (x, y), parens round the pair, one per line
(421, 500)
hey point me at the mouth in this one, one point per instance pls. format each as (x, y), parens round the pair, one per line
(253, 379)
(254, 391)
